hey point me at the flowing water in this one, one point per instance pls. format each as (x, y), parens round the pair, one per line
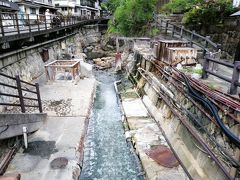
(106, 154)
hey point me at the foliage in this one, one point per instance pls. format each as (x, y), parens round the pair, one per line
(111, 5)
(208, 13)
(200, 13)
(132, 17)
(178, 6)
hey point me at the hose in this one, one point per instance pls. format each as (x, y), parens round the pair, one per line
(213, 110)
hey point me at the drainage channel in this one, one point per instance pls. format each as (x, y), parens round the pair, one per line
(106, 153)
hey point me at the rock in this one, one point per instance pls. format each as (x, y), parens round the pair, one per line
(96, 54)
(97, 61)
(80, 56)
(86, 69)
(89, 48)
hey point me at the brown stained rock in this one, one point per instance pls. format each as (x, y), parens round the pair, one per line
(163, 156)
(11, 177)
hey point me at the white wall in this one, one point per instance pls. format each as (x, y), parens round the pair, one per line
(236, 3)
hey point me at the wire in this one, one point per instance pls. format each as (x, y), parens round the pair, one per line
(5, 129)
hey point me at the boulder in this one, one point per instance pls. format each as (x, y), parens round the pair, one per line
(96, 54)
(86, 69)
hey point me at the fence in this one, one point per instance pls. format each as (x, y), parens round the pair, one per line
(208, 47)
(234, 80)
(19, 23)
(17, 85)
(179, 31)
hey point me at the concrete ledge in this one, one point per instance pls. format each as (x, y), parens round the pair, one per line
(11, 124)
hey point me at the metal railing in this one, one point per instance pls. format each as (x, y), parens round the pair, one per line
(19, 23)
(234, 80)
(17, 89)
(203, 42)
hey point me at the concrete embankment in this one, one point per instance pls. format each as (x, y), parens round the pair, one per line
(196, 138)
(147, 138)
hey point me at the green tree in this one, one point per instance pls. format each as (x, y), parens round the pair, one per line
(132, 17)
(208, 13)
(111, 5)
(179, 6)
(200, 13)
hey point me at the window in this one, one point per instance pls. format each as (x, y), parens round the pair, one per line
(32, 11)
(64, 8)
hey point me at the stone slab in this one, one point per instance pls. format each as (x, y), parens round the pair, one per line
(134, 108)
(146, 134)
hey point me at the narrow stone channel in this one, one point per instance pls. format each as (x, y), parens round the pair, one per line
(106, 154)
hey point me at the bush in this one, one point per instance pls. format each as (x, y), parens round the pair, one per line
(178, 6)
(132, 17)
(200, 13)
(208, 13)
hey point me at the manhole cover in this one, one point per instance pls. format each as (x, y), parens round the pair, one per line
(59, 163)
(163, 156)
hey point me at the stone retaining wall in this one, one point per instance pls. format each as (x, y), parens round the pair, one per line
(29, 65)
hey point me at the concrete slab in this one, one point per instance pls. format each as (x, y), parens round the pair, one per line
(55, 151)
(134, 108)
(146, 134)
(65, 98)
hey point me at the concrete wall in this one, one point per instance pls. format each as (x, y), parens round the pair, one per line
(228, 35)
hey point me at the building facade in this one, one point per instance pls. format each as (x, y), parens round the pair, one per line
(86, 9)
(35, 9)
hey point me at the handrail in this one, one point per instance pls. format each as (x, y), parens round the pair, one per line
(18, 86)
(20, 23)
(203, 42)
(234, 80)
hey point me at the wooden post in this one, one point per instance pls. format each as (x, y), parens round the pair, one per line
(38, 21)
(166, 28)
(39, 98)
(1, 25)
(235, 78)
(181, 32)
(51, 24)
(29, 23)
(191, 39)
(19, 88)
(16, 16)
(45, 22)
(173, 29)
(205, 68)
(206, 45)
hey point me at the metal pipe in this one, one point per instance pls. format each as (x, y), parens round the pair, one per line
(193, 132)
(167, 140)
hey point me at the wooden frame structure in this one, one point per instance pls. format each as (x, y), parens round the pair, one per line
(71, 66)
